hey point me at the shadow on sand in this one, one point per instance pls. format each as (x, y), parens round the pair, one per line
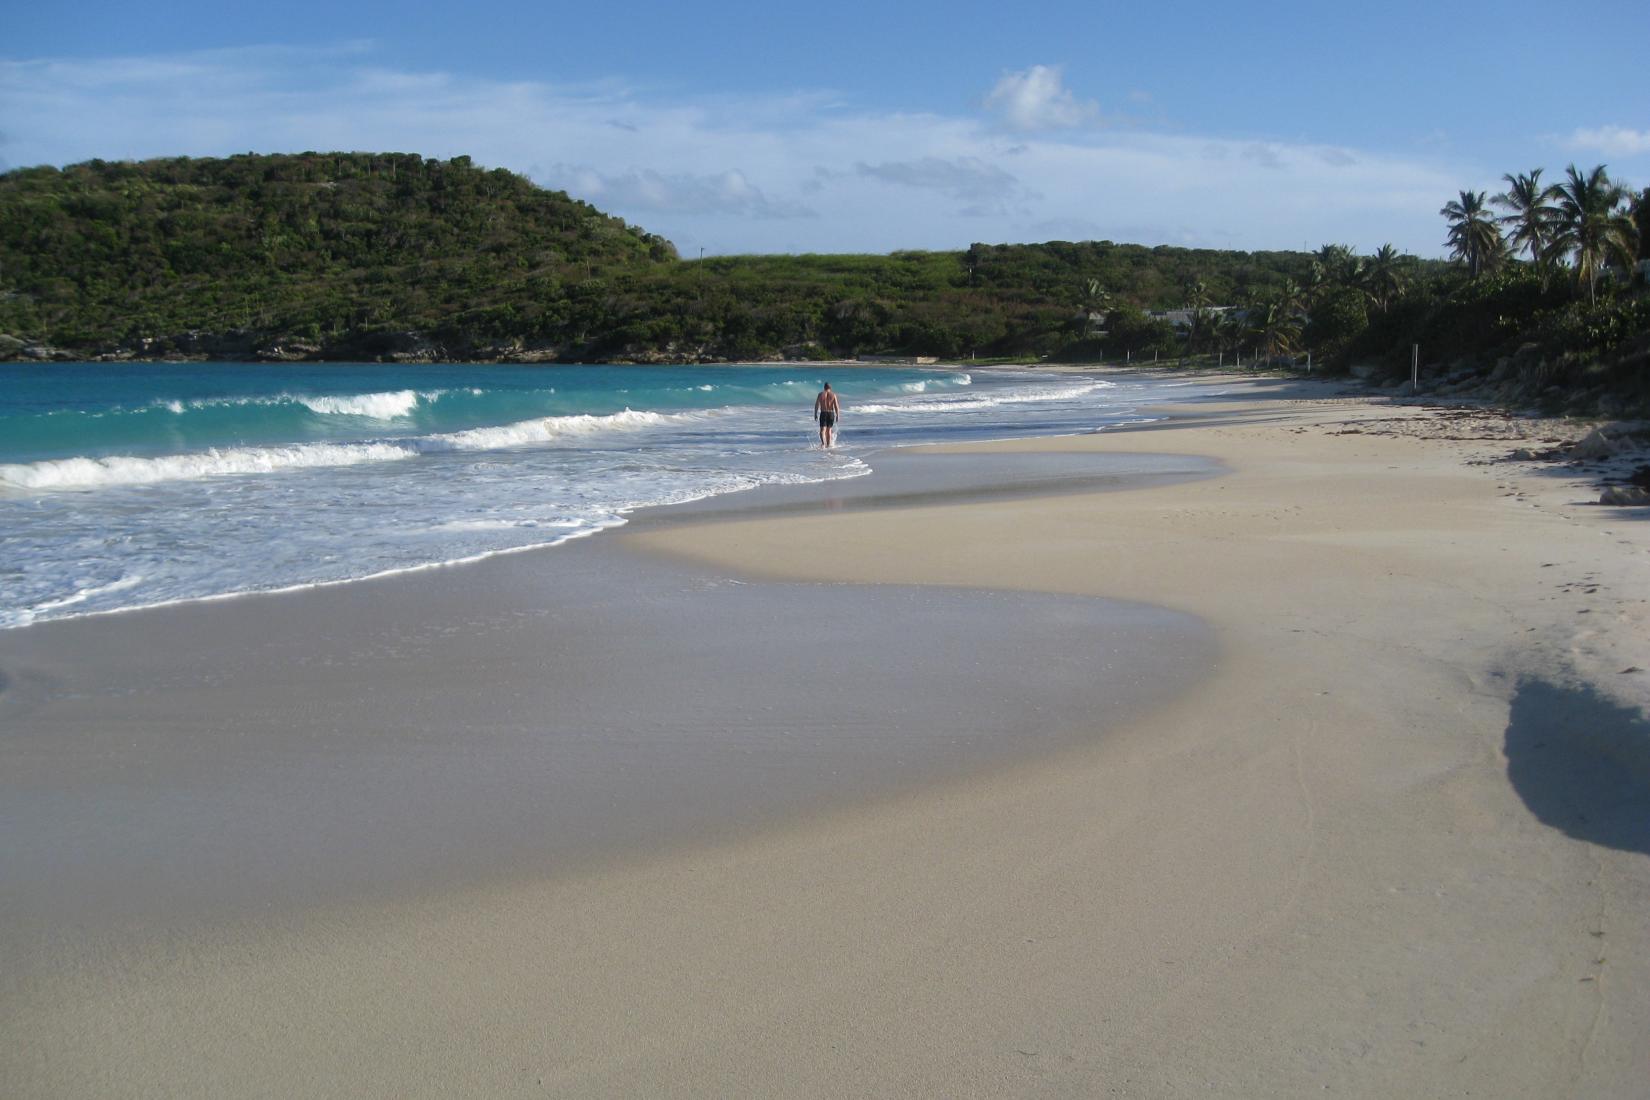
(1581, 764)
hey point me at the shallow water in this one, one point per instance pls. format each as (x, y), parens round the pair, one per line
(126, 485)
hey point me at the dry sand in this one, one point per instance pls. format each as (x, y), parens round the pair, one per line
(1395, 845)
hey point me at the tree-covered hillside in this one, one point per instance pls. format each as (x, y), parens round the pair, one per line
(344, 255)
(351, 256)
(312, 246)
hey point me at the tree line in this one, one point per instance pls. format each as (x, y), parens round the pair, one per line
(356, 255)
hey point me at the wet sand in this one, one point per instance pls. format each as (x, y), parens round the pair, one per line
(1366, 821)
(530, 715)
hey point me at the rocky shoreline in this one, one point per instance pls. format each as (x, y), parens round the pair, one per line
(406, 346)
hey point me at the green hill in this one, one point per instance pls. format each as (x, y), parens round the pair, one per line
(310, 247)
(350, 255)
(356, 256)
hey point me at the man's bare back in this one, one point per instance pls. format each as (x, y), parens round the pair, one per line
(827, 408)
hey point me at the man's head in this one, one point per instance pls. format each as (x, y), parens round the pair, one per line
(827, 385)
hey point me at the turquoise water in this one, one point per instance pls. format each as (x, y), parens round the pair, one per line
(130, 484)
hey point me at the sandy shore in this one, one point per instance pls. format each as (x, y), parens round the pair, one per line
(1394, 842)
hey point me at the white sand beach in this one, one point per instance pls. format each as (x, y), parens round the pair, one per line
(1389, 836)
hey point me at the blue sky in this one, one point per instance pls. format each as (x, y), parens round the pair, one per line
(743, 127)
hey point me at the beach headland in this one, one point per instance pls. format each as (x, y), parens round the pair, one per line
(1380, 826)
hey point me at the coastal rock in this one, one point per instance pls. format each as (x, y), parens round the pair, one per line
(538, 355)
(530, 353)
(10, 346)
(197, 344)
(1594, 445)
(1625, 496)
(404, 346)
(288, 351)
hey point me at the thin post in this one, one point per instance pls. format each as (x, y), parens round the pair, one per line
(1308, 360)
(1414, 367)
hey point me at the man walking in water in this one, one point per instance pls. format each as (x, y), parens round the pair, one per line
(827, 408)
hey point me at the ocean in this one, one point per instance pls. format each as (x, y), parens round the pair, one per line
(126, 485)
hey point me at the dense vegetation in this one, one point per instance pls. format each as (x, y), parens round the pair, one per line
(1549, 299)
(309, 247)
(342, 255)
(349, 256)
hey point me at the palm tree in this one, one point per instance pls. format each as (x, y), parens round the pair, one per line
(1275, 327)
(1336, 265)
(1384, 277)
(1202, 332)
(1532, 218)
(1096, 304)
(1292, 297)
(1197, 294)
(1641, 220)
(1593, 224)
(1473, 236)
(1230, 329)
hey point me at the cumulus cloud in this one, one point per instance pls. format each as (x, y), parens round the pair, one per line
(764, 173)
(1037, 99)
(1612, 141)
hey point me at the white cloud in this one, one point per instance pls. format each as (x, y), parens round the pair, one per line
(723, 193)
(1038, 100)
(984, 187)
(1263, 153)
(780, 172)
(1612, 141)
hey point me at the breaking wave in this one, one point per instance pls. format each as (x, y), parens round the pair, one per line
(83, 472)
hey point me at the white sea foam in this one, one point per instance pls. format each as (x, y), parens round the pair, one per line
(503, 524)
(376, 406)
(547, 429)
(386, 405)
(87, 593)
(961, 402)
(926, 384)
(381, 509)
(79, 473)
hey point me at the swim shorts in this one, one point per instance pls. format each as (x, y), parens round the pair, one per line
(827, 419)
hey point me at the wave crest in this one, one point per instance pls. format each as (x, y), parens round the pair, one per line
(961, 402)
(84, 472)
(375, 406)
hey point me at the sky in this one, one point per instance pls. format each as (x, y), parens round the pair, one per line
(742, 127)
